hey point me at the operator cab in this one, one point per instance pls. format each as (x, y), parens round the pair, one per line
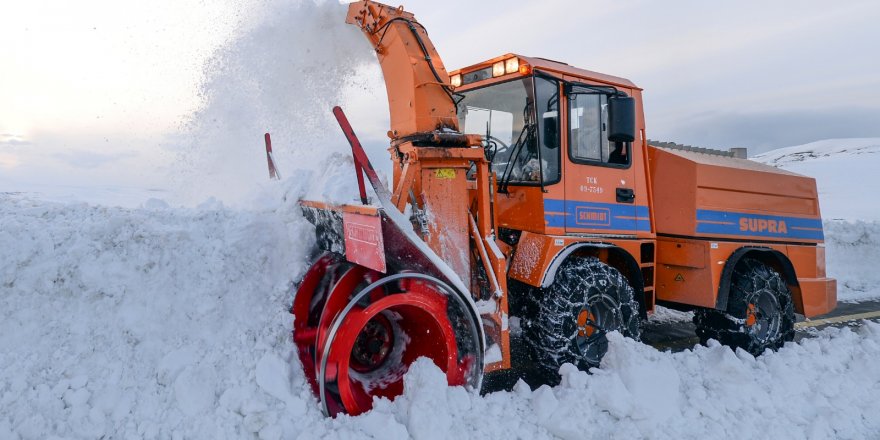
(566, 145)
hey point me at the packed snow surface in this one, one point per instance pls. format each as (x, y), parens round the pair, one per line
(164, 322)
(852, 251)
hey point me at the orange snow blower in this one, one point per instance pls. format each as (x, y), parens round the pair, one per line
(528, 218)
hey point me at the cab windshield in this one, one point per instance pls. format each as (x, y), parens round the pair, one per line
(521, 120)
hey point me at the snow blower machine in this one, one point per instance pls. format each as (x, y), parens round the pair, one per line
(528, 218)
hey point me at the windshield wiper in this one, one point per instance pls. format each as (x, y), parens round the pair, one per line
(526, 135)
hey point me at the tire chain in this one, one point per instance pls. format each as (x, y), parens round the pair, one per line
(729, 329)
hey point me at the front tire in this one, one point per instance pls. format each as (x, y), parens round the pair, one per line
(587, 299)
(760, 312)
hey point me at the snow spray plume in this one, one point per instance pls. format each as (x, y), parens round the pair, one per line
(281, 74)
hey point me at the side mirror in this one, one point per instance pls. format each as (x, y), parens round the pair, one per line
(550, 137)
(621, 119)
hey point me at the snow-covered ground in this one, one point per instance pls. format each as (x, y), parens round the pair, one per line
(163, 322)
(142, 323)
(852, 250)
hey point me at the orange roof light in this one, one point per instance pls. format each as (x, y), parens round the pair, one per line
(525, 69)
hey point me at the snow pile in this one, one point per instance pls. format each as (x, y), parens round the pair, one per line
(821, 388)
(845, 171)
(151, 323)
(171, 323)
(162, 322)
(852, 250)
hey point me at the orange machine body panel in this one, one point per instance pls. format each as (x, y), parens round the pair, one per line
(685, 267)
(415, 77)
(583, 200)
(699, 210)
(672, 222)
(707, 207)
(704, 195)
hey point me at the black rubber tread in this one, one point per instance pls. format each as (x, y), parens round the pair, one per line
(551, 333)
(751, 279)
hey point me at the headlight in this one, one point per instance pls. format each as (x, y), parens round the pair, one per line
(511, 65)
(455, 80)
(498, 68)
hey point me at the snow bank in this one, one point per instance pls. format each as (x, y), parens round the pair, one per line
(852, 251)
(171, 323)
(162, 322)
(819, 149)
(821, 388)
(151, 323)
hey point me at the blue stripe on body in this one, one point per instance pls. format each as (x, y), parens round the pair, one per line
(758, 225)
(573, 214)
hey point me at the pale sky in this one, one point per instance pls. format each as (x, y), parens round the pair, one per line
(90, 89)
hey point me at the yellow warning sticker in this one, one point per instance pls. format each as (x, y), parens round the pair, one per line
(445, 173)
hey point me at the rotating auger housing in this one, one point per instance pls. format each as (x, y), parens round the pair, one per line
(526, 187)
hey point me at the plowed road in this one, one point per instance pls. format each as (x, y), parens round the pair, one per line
(678, 336)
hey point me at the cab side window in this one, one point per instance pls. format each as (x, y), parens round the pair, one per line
(588, 131)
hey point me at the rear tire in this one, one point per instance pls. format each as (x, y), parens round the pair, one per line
(587, 299)
(760, 313)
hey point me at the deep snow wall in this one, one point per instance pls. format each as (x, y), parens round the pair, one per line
(144, 323)
(852, 252)
(172, 323)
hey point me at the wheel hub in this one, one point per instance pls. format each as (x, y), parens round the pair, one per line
(586, 321)
(763, 316)
(595, 319)
(373, 345)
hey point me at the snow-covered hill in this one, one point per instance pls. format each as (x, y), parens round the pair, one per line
(846, 171)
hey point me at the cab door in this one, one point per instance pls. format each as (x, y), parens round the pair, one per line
(600, 181)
